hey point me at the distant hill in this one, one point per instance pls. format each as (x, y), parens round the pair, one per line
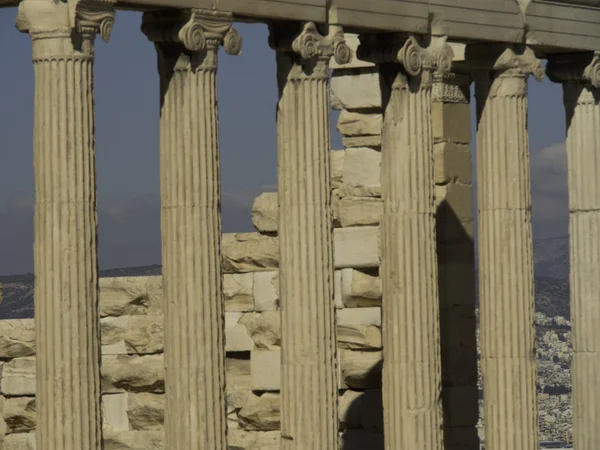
(551, 258)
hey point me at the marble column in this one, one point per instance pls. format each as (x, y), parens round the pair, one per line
(187, 45)
(505, 245)
(412, 408)
(309, 387)
(66, 283)
(456, 257)
(580, 76)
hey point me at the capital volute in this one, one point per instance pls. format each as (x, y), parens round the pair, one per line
(583, 68)
(309, 44)
(196, 29)
(503, 60)
(91, 17)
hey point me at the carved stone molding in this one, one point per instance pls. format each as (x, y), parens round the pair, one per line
(198, 30)
(582, 68)
(94, 17)
(308, 45)
(451, 87)
(512, 60)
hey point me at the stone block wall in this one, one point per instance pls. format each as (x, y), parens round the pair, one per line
(132, 320)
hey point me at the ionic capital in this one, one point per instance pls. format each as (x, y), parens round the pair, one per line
(582, 68)
(503, 60)
(198, 30)
(414, 54)
(91, 17)
(309, 45)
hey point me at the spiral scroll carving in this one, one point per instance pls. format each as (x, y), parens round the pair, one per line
(192, 36)
(106, 27)
(232, 43)
(592, 72)
(410, 56)
(342, 53)
(537, 70)
(308, 42)
(95, 18)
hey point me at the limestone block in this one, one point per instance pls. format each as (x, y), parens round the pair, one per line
(146, 411)
(360, 288)
(337, 289)
(133, 440)
(253, 440)
(362, 141)
(359, 316)
(452, 163)
(266, 370)
(238, 292)
(361, 370)
(249, 252)
(266, 291)
(3, 427)
(137, 334)
(359, 337)
(131, 296)
(455, 213)
(135, 373)
(349, 409)
(237, 338)
(356, 247)
(336, 162)
(19, 441)
(360, 191)
(355, 89)
(336, 198)
(238, 399)
(451, 122)
(359, 124)
(362, 167)
(360, 440)
(264, 329)
(261, 413)
(265, 212)
(353, 42)
(237, 372)
(19, 414)
(18, 377)
(359, 211)
(17, 338)
(114, 411)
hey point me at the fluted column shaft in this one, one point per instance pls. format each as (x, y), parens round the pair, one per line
(411, 349)
(581, 88)
(309, 387)
(65, 262)
(505, 257)
(195, 410)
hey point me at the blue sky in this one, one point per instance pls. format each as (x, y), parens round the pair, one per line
(127, 142)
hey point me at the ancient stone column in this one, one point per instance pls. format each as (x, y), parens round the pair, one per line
(412, 406)
(66, 284)
(456, 257)
(187, 44)
(309, 387)
(580, 75)
(505, 246)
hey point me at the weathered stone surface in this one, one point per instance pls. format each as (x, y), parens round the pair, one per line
(238, 292)
(19, 441)
(264, 329)
(3, 427)
(361, 410)
(361, 370)
(253, 440)
(358, 211)
(455, 215)
(353, 42)
(349, 408)
(359, 316)
(448, 122)
(146, 411)
(135, 373)
(360, 288)
(133, 440)
(362, 141)
(18, 377)
(355, 89)
(356, 247)
(237, 338)
(360, 191)
(265, 212)
(138, 334)
(249, 252)
(237, 372)
(337, 289)
(261, 413)
(336, 161)
(359, 124)
(362, 167)
(17, 338)
(359, 337)
(19, 414)
(266, 291)
(266, 370)
(452, 163)
(122, 296)
(114, 411)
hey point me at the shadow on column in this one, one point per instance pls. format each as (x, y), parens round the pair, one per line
(458, 322)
